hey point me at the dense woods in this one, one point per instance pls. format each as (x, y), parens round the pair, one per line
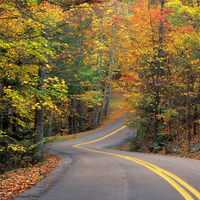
(161, 73)
(60, 61)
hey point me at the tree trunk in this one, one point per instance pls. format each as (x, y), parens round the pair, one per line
(156, 121)
(158, 73)
(102, 107)
(39, 117)
(80, 116)
(39, 113)
(111, 64)
(107, 108)
(194, 120)
(75, 116)
(189, 110)
(71, 124)
(98, 87)
(71, 120)
(50, 122)
(110, 75)
(96, 114)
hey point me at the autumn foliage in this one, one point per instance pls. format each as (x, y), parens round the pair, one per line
(161, 69)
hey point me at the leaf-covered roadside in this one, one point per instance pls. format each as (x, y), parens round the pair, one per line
(18, 181)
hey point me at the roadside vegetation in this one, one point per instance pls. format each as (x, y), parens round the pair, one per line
(170, 147)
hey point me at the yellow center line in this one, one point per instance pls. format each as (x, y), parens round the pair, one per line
(161, 172)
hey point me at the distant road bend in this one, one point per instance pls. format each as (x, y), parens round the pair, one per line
(90, 171)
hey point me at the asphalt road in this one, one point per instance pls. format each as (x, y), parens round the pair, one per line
(92, 172)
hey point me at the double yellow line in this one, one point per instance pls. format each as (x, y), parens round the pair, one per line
(175, 181)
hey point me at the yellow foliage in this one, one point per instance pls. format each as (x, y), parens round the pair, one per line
(16, 147)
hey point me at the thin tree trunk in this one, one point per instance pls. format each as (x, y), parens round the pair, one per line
(39, 117)
(96, 115)
(39, 113)
(111, 64)
(102, 107)
(110, 76)
(194, 120)
(99, 63)
(75, 116)
(50, 122)
(80, 116)
(156, 121)
(108, 103)
(71, 125)
(159, 73)
(1, 97)
(189, 110)
(72, 118)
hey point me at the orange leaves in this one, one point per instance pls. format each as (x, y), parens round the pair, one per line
(88, 32)
(49, 13)
(156, 15)
(17, 182)
(185, 29)
(130, 80)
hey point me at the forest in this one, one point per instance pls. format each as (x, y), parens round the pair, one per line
(61, 59)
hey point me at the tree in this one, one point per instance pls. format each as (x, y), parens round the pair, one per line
(24, 48)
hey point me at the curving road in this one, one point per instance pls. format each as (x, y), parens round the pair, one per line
(90, 171)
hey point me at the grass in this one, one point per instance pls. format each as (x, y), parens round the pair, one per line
(111, 147)
(62, 138)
